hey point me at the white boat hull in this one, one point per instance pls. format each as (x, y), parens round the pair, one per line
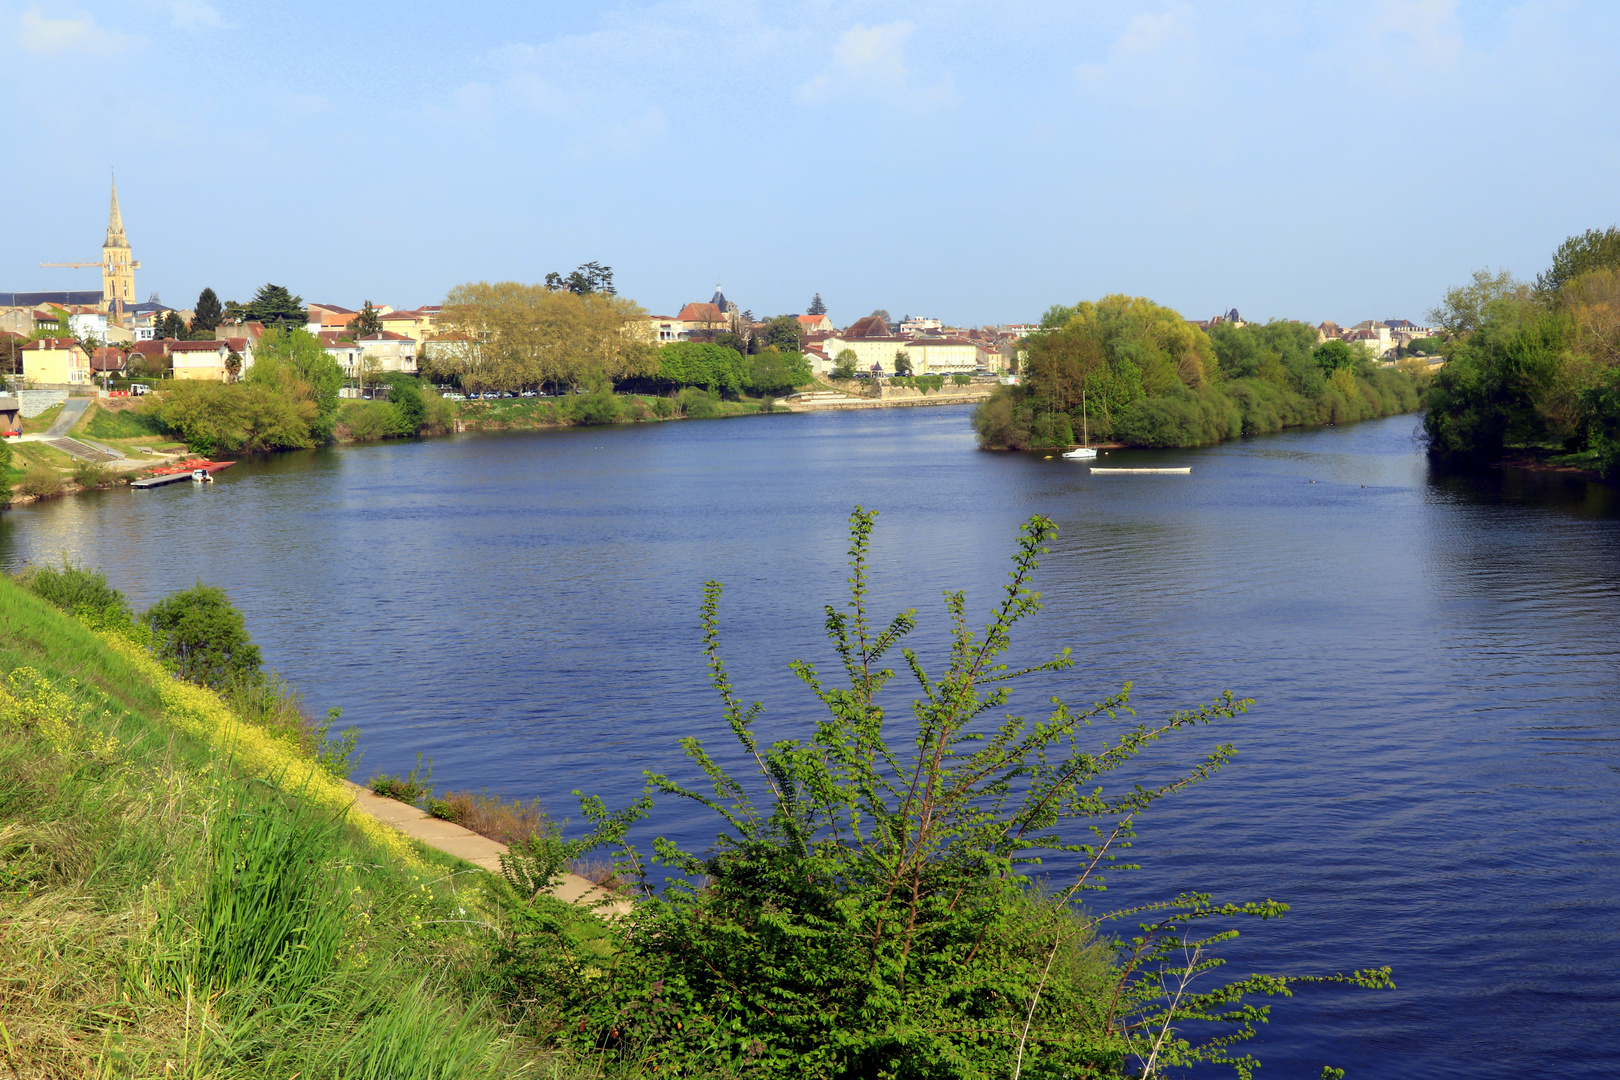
(1084, 453)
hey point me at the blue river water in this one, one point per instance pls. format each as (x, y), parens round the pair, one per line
(1429, 778)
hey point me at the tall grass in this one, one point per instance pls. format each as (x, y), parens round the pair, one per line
(173, 906)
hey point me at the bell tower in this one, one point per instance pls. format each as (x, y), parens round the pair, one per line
(117, 268)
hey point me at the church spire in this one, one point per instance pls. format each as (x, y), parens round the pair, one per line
(115, 222)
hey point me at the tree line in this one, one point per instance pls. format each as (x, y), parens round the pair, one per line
(1126, 369)
(1533, 368)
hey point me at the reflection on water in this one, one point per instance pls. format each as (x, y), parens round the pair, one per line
(1429, 778)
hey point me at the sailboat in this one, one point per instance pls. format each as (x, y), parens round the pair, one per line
(1082, 453)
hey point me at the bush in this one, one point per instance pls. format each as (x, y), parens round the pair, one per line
(866, 909)
(80, 591)
(663, 408)
(598, 407)
(89, 474)
(409, 788)
(202, 637)
(697, 404)
(40, 481)
(368, 421)
(961, 380)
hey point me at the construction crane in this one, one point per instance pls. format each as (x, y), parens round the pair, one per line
(117, 301)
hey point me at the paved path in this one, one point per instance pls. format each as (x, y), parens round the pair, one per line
(467, 845)
(72, 409)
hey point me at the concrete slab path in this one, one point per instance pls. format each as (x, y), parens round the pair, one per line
(468, 846)
(72, 409)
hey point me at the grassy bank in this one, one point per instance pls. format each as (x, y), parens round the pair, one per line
(181, 894)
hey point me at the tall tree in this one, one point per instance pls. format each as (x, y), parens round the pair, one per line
(368, 323)
(817, 307)
(173, 326)
(276, 306)
(1592, 250)
(591, 277)
(205, 320)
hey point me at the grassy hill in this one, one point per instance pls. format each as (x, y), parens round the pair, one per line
(181, 895)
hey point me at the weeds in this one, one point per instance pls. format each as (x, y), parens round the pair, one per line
(410, 788)
(89, 475)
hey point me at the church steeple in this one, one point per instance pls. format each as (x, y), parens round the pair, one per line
(115, 223)
(117, 267)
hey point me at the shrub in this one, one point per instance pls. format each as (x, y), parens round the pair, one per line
(79, 591)
(663, 408)
(410, 788)
(40, 481)
(89, 474)
(697, 404)
(598, 407)
(865, 909)
(961, 380)
(202, 637)
(368, 421)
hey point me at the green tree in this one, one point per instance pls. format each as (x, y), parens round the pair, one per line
(817, 307)
(784, 331)
(1334, 354)
(366, 324)
(1592, 250)
(1466, 307)
(276, 307)
(902, 362)
(410, 410)
(203, 637)
(173, 327)
(591, 277)
(206, 318)
(774, 372)
(844, 364)
(293, 363)
(714, 367)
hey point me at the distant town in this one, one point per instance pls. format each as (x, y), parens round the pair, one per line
(59, 340)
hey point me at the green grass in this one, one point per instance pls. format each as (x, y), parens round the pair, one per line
(122, 424)
(166, 912)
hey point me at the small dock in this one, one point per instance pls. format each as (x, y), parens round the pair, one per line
(159, 481)
(1166, 472)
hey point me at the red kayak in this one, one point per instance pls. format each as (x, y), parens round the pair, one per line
(191, 466)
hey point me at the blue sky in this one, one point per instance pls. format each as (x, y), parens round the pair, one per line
(975, 162)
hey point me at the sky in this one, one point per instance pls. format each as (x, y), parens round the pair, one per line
(972, 162)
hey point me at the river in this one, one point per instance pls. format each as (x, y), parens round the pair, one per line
(1429, 777)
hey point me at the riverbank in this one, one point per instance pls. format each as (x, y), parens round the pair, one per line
(182, 894)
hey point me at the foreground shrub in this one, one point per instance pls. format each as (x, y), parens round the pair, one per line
(202, 637)
(89, 474)
(864, 910)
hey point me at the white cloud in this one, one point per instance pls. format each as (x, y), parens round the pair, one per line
(195, 15)
(1151, 45)
(78, 34)
(870, 61)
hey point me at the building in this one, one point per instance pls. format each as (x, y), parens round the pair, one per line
(869, 339)
(816, 324)
(391, 351)
(108, 360)
(117, 266)
(199, 359)
(942, 356)
(917, 326)
(344, 351)
(55, 362)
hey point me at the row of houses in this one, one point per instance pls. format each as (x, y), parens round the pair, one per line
(928, 346)
(1383, 339)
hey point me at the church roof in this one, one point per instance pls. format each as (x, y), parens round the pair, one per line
(719, 300)
(695, 312)
(872, 326)
(31, 299)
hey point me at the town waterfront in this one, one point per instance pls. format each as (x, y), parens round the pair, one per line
(1429, 777)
